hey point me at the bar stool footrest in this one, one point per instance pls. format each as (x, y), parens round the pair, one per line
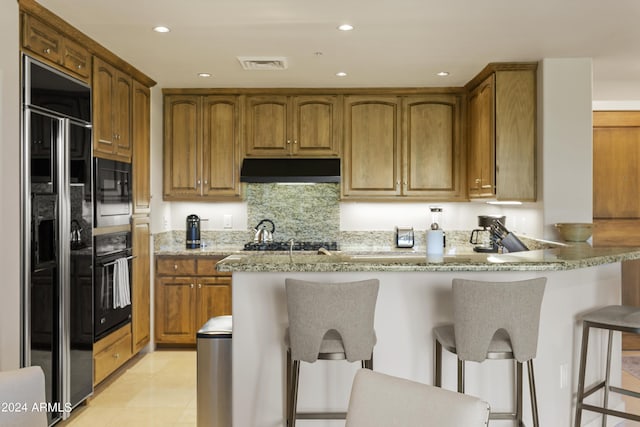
(321, 415)
(611, 412)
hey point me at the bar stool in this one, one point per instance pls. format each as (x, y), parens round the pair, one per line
(494, 320)
(612, 318)
(327, 321)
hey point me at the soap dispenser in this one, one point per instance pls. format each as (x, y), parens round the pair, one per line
(435, 235)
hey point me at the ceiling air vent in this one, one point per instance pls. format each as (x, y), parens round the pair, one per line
(263, 62)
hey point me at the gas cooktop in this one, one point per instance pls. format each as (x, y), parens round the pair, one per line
(285, 246)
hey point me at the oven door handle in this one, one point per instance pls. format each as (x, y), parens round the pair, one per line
(105, 264)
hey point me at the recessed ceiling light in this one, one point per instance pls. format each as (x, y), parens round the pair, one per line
(204, 74)
(161, 29)
(341, 74)
(443, 73)
(345, 27)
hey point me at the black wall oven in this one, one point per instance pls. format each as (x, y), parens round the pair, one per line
(112, 308)
(112, 192)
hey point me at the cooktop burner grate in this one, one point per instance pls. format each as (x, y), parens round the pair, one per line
(285, 246)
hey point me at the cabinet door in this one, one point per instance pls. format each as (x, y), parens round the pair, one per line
(515, 122)
(315, 126)
(141, 284)
(432, 147)
(175, 310)
(221, 146)
(267, 133)
(481, 154)
(182, 141)
(41, 39)
(104, 78)
(141, 149)
(214, 298)
(122, 116)
(371, 165)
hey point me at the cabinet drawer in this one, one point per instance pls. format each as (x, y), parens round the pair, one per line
(207, 267)
(76, 58)
(176, 266)
(112, 356)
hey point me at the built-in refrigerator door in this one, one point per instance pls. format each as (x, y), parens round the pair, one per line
(44, 133)
(79, 291)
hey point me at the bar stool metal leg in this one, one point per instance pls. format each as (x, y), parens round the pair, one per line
(607, 378)
(517, 390)
(581, 375)
(532, 393)
(437, 368)
(460, 376)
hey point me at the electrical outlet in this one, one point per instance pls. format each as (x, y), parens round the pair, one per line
(227, 221)
(165, 223)
(564, 375)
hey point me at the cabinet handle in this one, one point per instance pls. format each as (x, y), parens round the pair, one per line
(116, 356)
(79, 66)
(295, 141)
(199, 285)
(288, 141)
(47, 50)
(191, 286)
(175, 266)
(477, 180)
(198, 182)
(205, 182)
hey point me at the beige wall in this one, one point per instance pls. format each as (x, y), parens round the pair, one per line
(9, 187)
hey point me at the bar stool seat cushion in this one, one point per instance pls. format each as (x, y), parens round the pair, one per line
(331, 342)
(620, 316)
(500, 343)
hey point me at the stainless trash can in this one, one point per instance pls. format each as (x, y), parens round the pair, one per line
(214, 373)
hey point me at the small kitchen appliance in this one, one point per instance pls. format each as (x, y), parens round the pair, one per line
(193, 232)
(483, 238)
(404, 237)
(435, 235)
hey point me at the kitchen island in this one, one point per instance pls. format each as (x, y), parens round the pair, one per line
(414, 297)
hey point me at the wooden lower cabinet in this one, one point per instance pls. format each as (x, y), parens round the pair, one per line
(111, 352)
(189, 291)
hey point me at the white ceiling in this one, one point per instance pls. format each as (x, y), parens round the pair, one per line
(395, 42)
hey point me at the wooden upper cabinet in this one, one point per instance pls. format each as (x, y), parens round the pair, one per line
(112, 100)
(201, 147)
(403, 146)
(481, 153)
(280, 126)
(502, 125)
(46, 43)
(433, 162)
(371, 156)
(141, 148)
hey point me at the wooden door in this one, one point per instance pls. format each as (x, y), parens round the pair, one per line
(141, 283)
(182, 172)
(122, 116)
(481, 152)
(432, 147)
(141, 123)
(175, 310)
(371, 157)
(315, 126)
(515, 130)
(104, 90)
(214, 298)
(616, 183)
(221, 146)
(267, 133)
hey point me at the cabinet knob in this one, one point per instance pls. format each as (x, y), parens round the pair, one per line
(295, 141)
(199, 285)
(191, 285)
(46, 50)
(116, 356)
(288, 141)
(79, 66)
(198, 182)
(477, 180)
(175, 266)
(205, 182)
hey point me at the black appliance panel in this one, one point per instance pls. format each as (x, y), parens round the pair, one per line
(112, 192)
(109, 248)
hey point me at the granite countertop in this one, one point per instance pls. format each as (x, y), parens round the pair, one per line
(566, 257)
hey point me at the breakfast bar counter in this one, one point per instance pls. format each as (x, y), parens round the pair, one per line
(414, 297)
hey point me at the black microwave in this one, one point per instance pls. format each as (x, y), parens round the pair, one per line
(112, 195)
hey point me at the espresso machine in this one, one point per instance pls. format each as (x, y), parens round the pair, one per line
(483, 238)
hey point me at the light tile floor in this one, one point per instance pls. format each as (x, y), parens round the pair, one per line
(156, 389)
(159, 389)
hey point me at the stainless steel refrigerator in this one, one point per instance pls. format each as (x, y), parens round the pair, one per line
(57, 228)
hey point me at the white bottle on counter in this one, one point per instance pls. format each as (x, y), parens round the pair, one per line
(435, 237)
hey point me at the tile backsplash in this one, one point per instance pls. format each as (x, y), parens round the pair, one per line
(300, 212)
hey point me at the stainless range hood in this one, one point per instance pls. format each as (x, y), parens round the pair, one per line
(290, 170)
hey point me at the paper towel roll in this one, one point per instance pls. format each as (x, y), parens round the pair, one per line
(435, 242)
